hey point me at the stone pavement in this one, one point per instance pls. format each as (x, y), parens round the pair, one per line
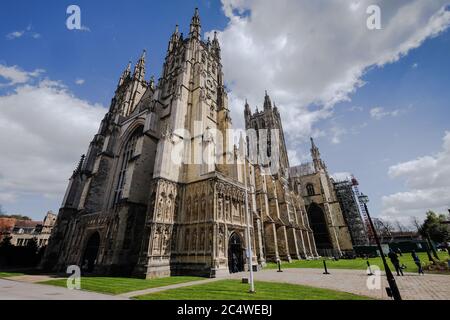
(17, 290)
(411, 286)
(34, 278)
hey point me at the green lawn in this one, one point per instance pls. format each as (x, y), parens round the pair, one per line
(121, 285)
(10, 274)
(359, 263)
(235, 290)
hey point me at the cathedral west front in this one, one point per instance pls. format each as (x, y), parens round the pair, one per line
(163, 186)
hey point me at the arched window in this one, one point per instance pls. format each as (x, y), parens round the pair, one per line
(127, 154)
(310, 189)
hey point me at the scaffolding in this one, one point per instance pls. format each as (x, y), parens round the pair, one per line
(353, 211)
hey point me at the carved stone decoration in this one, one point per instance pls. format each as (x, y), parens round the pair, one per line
(157, 241)
(168, 209)
(202, 95)
(210, 239)
(188, 210)
(203, 209)
(221, 241)
(220, 208)
(160, 208)
(166, 131)
(186, 240)
(201, 246)
(195, 210)
(166, 241)
(194, 240)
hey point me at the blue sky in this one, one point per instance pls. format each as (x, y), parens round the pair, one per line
(400, 114)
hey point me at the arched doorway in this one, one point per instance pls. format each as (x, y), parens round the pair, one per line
(91, 252)
(319, 226)
(235, 254)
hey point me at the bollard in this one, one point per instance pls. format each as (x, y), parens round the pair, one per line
(370, 270)
(279, 266)
(325, 267)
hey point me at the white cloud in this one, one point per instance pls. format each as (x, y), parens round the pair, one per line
(44, 129)
(15, 35)
(428, 182)
(336, 134)
(379, 113)
(312, 54)
(20, 33)
(15, 75)
(79, 81)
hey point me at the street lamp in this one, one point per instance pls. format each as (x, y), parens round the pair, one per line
(248, 217)
(390, 277)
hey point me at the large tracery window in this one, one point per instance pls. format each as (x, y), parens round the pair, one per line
(127, 154)
(310, 189)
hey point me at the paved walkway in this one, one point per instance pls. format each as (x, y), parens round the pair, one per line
(35, 278)
(411, 286)
(17, 290)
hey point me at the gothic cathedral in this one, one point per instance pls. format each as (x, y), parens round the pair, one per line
(144, 202)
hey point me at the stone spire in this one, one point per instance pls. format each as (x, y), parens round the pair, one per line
(195, 29)
(247, 107)
(267, 102)
(174, 39)
(79, 166)
(315, 154)
(139, 69)
(152, 83)
(247, 113)
(216, 44)
(125, 74)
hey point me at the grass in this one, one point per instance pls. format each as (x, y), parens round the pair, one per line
(235, 290)
(360, 264)
(10, 274)
(113, 285)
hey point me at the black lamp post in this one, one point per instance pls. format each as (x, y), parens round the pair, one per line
(390, 277)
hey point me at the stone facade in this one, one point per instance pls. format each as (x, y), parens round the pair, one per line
(330, 229)
(287, 234)
(145, 202)
(23, 231)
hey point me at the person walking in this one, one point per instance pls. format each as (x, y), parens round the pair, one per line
(394, 259)
(417, 262)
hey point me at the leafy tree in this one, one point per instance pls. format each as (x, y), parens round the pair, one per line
(32, 245)
(6, 242)
(434, 227)
(15, 216)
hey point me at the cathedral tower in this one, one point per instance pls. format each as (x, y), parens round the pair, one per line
(312, 180)
(287, 233)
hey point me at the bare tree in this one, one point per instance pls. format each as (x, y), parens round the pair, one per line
(416, 223)
(384, 228)
(399, 226)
